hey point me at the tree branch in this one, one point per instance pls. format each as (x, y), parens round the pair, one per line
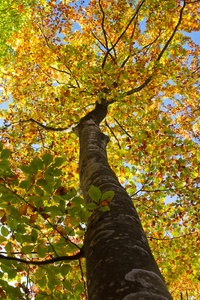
(66, 238)
(102, 24)
(146, 46)
(112, 132)
(172, 238)
(44, 262)
(94, 35)
(173, 33)
(49, 128)
(121, 35)
(138, 89)
(123, 128)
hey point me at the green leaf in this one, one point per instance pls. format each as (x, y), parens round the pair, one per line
(47, 159)
(25, 184)
(57, 183)
(2, 239)
(104, 208)
(54, 211)
(12, 273)
(58, 161)
(67, 284)
(5, 153)
(39, 274)
(39, 191)
(1, 146)
(38, 164)
(91, 206)
(4, 231)
(42, 283)
(5, 170)
(94, 193)
(42, 182)
(41, 250)
(27, 169)
(34, 235)
(78, 201)
(79, 288)
(70, 194)
(56, 172)
(53, 171)
(8, 247)
(13, 224)
(108, 195)
(64, 270)
(27, 249)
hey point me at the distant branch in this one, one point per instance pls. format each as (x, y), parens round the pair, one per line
(130, 48)
(102, 24)
(51, 48)
(138, 89)
(44, 262)
(100, 42)
(112, 132)
(49, 128)
(46, 39)
(51, 78)
(156, 191)
(60, 70)
(123, 128)
(172, 238)
(173, 33)
(121, 35)
(190, 2)
(127, 26)
(146, 46)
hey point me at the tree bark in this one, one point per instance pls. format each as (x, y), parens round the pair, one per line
(119, 262)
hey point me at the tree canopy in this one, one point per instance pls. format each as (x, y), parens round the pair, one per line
(58, 58)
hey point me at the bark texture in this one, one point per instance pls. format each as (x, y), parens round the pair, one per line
(120, 265)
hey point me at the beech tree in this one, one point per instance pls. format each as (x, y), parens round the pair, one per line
(99, 153)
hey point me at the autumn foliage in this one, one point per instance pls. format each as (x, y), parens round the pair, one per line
(57, 60)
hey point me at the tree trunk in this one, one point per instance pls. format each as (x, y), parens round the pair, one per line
(119, 262)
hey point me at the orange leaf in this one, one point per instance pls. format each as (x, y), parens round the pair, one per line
(23, 209)
(33, 218)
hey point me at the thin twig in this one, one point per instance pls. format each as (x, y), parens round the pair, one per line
(49, 128)
(67, 239)
(60, 70)
(121, 35)
(172, 238)
(82, 276)
(122, 128)
(146, 46)
(112, 132)
(138, 89)
(130, 48)
(102, 24)
(44, 262)
(51, 48)
(173, 33)
(104, 51)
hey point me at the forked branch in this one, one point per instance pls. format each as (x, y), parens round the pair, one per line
(122, 34)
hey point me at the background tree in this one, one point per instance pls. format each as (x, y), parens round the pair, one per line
(64, 58)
